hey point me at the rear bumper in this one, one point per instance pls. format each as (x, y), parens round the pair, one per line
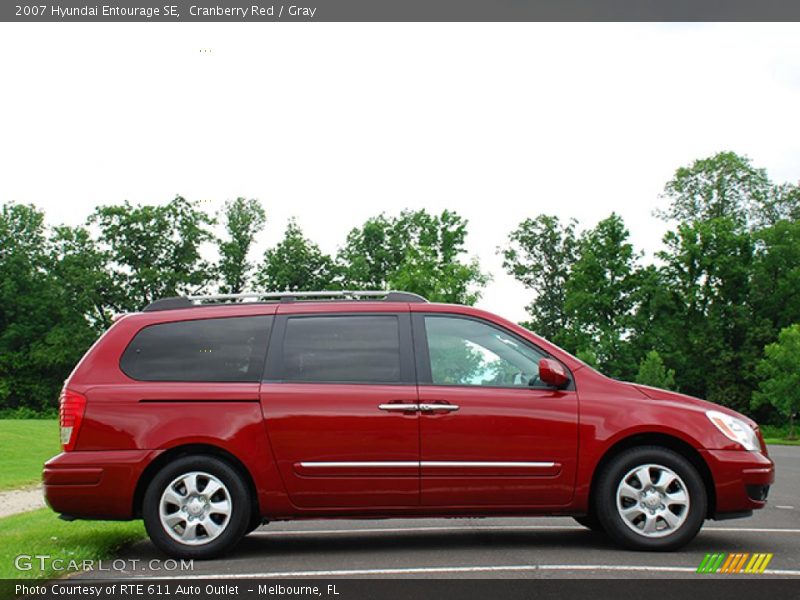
(741, 480)
(94, 485)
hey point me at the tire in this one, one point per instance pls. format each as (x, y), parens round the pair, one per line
(590, 521)
(255, 523)
(197, 524)
(651, 498)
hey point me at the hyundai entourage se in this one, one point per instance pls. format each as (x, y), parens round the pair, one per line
(208, 416)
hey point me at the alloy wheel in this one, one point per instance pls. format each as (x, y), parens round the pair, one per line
(195, 508)
(653, 500)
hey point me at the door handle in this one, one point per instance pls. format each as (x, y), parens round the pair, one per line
(432, 407)
(399, 407)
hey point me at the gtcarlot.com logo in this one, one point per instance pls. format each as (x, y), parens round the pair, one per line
(738, 562)
(46, 562)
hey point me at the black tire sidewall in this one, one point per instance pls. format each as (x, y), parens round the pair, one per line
(606, 500)
(591, 522)
(239, 519)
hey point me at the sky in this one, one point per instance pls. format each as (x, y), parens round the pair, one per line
(333, 123)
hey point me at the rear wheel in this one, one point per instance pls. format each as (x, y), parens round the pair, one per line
(651, 498)
(196, 507)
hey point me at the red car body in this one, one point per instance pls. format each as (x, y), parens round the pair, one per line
(277, 432)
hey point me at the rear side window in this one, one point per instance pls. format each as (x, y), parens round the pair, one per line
(356, 349)
(229, 349)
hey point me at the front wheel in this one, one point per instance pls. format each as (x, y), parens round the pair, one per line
(651, 498)
(590, 521)
(196, 507)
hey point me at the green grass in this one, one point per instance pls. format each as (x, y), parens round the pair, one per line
(781, 442)
(778, 435)
(24, 446)
(42, 532)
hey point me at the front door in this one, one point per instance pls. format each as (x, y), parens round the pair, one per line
(339, 402)
(491, 434)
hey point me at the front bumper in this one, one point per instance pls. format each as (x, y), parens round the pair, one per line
(94, 485)
(741, 480)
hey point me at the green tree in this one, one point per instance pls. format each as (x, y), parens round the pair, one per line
(540, 255)
(599, 299)
(416, 252)
(81, 269)
(46, 292)
(372, 253)
(423, 272)
(784, 203)
(652, 372)
(295, 264)
(780, 375)
(707, 266)
(243, 220)
(775, 281)
(155, 251)
(25, 303)
(726, 185)
(588, 356)
(654, 323)
(729, 276)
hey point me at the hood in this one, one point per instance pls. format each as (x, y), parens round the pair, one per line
(688, 401)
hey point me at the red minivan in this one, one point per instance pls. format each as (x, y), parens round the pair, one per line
(208, 416)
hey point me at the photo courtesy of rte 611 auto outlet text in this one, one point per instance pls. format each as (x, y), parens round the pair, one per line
(391, 299)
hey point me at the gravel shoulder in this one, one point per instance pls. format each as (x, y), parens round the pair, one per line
(23, 500)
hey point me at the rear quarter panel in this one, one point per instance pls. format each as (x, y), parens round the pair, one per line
(124, 414)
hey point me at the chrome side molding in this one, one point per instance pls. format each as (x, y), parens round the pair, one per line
(404, 464)
(377, 464)
(487, 464)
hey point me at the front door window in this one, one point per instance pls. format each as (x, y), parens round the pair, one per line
(468, 352)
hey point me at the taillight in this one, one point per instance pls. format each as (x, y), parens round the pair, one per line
(70, 415)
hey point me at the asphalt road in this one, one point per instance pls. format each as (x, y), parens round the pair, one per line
(497, 548)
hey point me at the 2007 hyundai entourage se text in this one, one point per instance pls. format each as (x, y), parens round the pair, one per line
(207, 417)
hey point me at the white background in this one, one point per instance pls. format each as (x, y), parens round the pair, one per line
(334, 123)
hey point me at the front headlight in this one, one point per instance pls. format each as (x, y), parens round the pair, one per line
(735, 429)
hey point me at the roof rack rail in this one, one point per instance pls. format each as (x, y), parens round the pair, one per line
(206, 300)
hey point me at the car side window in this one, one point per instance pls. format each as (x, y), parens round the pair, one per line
(342, 349)
(470, 352)
(229, 349)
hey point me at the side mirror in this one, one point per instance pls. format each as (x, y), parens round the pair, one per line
(553, 373)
